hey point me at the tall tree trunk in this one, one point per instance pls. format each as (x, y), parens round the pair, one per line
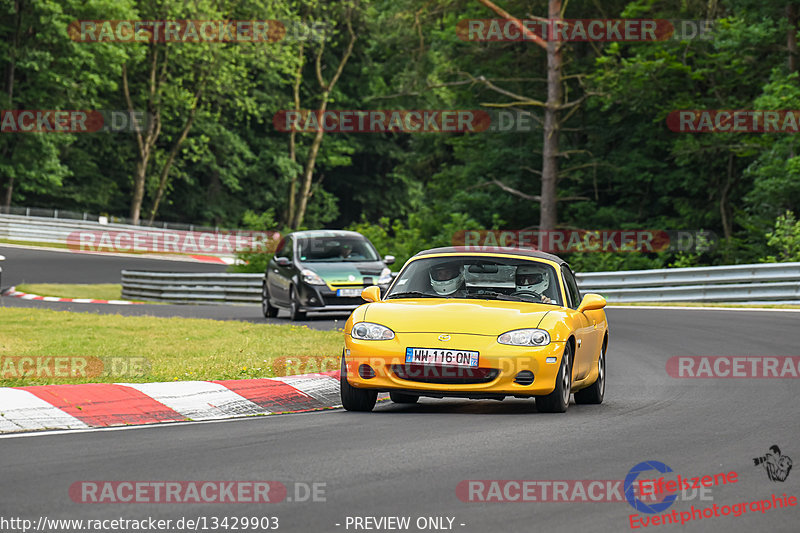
(548, 199)
(138, 188)
(791, 36)
(298, 77)
(162, 181)
(327, 89)
(146, 142)
(308, 173)
(727, 224)
(548, 215)
(10, 78)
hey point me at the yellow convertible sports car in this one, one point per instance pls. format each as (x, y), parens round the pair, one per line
(482, 325)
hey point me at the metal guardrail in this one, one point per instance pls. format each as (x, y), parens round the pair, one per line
(753, 284)
(58, 231)
(63, 215)
(211, 288)
(768, 283)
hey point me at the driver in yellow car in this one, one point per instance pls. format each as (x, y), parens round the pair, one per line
(447, 279)
(533, 280)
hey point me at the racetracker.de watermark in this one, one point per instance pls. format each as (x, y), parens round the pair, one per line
(173, 242)
(407, 121)
(63, 367)
(733, 367)
(195, 31)
(383, 121)
(562, 490)
(180, 492)
(72, 121)
(583, 30)
(583, 241)
(733, 121)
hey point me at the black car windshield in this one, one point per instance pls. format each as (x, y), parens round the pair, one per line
(476, 277)
(336, 250)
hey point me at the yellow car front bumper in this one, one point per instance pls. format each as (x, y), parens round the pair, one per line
(498, 366)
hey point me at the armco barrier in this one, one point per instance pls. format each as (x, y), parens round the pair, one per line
(752, 284)
(211, 288)
(63, 216)
(768, 283)
(49, 230)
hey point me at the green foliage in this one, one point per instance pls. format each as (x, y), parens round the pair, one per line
(256, 261)
(785, 238)
(622, 167)
(421, 231)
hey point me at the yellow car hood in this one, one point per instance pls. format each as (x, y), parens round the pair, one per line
(478, 317)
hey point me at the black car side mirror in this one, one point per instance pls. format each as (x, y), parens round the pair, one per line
(283, 261)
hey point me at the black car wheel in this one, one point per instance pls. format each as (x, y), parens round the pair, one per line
(294, 306)
(267, 308)
(558, 400)
(593, 394)
(354, 399)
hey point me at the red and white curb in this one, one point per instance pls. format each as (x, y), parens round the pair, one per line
(119, 404)
(216, 259)
(13, 292)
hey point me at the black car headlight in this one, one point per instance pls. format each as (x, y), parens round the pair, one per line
(367, 331)
(525, 337)
(386, 277)
(311, 277)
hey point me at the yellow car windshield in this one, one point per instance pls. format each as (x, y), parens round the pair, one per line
(477, 277)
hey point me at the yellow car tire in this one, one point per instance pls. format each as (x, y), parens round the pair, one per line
(558, 400)
(354, 399)
(593, 394)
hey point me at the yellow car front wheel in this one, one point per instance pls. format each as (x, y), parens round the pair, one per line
(593, 394)
(354, 399)
(558, 400)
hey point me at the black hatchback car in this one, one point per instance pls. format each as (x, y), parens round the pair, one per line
(322, 270)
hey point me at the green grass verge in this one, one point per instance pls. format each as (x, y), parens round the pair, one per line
(705, 304)
(35, 244)
(98, 291)
(160, 349)
(64, 246)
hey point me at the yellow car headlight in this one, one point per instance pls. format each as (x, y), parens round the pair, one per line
(367, 331)
(525, 337)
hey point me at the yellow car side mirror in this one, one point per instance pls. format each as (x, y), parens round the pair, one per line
(373, 294)
(591, 302)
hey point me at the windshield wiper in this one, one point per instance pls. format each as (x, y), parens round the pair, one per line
(411, 294)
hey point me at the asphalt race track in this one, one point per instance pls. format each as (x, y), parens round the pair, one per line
(244, 313)
(28, 265)
(31, 265)
(408, 460)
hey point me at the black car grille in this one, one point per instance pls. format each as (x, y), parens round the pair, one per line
(444, 375)
(343, 300)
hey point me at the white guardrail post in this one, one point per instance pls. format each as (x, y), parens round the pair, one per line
(768, 283)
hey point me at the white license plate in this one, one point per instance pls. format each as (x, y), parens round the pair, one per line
(348, 292)
(436, 356)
